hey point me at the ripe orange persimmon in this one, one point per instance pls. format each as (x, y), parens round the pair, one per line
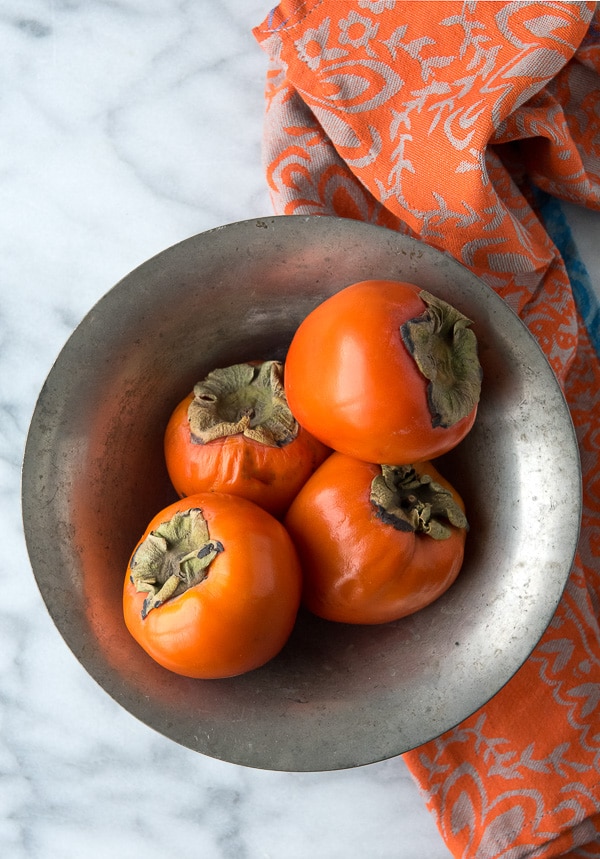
(235, 433)
(375, 542)
(385, 372)
(213, 587)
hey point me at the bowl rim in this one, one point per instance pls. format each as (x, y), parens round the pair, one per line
(287, 226)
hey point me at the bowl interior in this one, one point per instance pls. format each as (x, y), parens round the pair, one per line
(336, 696)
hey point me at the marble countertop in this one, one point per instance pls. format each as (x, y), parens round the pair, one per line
(125, 127)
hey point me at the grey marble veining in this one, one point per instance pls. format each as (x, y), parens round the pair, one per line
(125, 127)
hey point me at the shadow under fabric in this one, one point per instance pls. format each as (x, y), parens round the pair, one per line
(463, 124)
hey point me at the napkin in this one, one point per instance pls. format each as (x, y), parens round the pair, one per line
(464, 124)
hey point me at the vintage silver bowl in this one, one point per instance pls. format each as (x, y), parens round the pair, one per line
(337, 696)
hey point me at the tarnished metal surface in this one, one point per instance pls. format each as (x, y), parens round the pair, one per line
(337, 696)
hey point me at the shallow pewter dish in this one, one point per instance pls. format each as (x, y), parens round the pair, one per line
(337, 696)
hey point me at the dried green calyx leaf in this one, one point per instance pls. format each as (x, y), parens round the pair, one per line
(174, 557)
(445, 350)
(410, 501)
(243, 398)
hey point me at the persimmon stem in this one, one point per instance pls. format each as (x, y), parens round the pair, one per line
(174, 557)
(413, 502)
(445, 350)
(243, 398)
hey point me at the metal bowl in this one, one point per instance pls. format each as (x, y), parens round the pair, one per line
(337, 696)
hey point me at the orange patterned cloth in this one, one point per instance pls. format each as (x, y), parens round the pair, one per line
(459, 123)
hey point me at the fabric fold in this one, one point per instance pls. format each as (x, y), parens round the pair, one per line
(462, 124)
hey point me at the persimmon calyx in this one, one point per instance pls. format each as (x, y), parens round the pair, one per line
(174, 557)
(444, 348)
(410, 501)
(243, 398)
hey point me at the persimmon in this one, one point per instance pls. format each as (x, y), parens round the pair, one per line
(386, 372)
(213, 587)
(235, 433)
(376, 543)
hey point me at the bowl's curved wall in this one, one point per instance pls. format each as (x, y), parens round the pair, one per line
(336, 696)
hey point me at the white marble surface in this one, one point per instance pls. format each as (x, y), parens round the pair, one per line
(126, 126)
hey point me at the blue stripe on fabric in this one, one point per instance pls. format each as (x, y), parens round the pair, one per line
(559, 231)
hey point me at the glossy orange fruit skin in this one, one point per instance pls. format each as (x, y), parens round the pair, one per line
(357, 569)
(242, 614)
(351, 381)
(268, 476)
